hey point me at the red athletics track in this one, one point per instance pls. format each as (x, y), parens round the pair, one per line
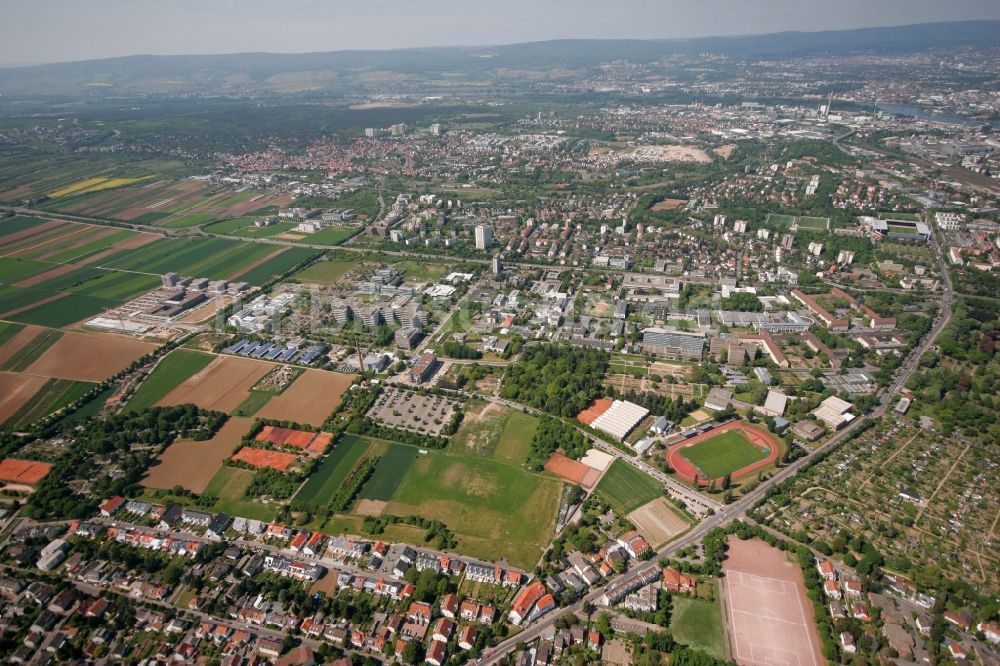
(685, 469)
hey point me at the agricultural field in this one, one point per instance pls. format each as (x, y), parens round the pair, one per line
(15, 392)
(659, 521)
(329, 476)
(51, 397)
(496, 510)
(389, 473)
(89, 357)
(212, 258)
(192, 464)
(625, 488)
(222, 385)
(9, 331)
(94, 185)
(244, 228)
(310, 399)
(276, 264)
(25, 346)
(171, 370)
(723, 454)
(166, 202)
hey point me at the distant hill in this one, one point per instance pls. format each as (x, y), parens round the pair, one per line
(344, 70)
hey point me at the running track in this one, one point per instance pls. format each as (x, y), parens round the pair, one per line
(685, 469)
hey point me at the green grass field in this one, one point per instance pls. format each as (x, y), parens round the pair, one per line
(499, 433)
(496, 510)
(169, 373)
(698, 622)
(626, 488)
(29, 353)
(889, 215)
(781, 220)
(330, 235)
(723, 454)
(229, 484)
(814, 223)
(326, 272)
(331, 473)
(389, 472)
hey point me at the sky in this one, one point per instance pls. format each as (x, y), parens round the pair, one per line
(38, 31)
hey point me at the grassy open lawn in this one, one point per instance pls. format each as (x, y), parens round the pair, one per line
(229, 484)
(169, 373)
(421, 270)
(496, 510)
(515, 440)
(349, 524)
(723, 454)
(389, 472)
(326, 272)
(491, 430)
(626, 488)
(698, 622)
(330, 236)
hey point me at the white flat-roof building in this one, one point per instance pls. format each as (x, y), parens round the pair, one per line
(775, 403)
(620, 419)
(834, 413)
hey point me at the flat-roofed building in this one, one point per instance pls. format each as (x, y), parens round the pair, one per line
(679, 344)
(620, 419)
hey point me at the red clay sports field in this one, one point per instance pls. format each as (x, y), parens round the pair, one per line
(687, 470)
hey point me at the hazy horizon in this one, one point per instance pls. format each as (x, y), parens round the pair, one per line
(185, 27)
